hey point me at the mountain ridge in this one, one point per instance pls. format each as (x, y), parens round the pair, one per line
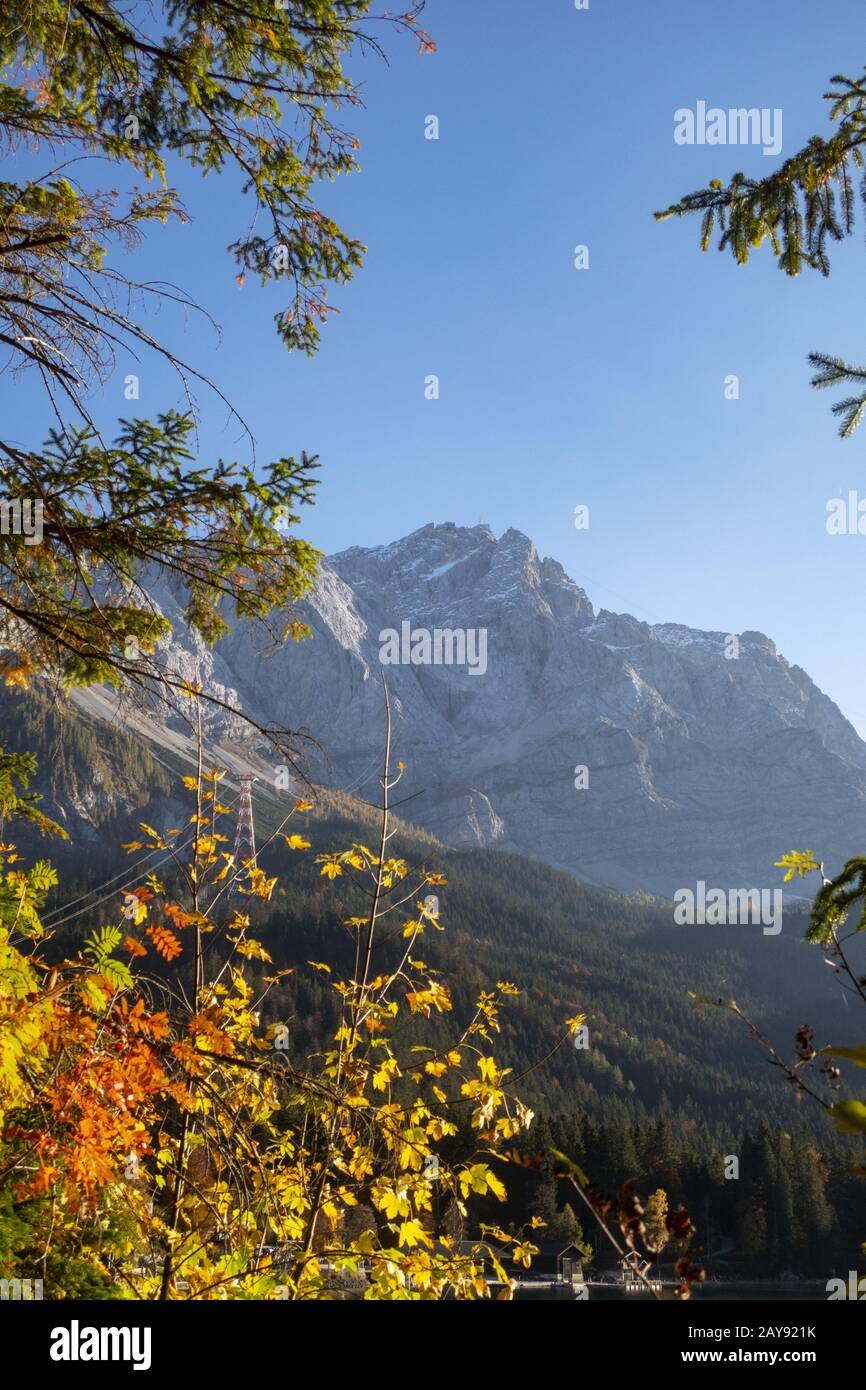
(697, 764)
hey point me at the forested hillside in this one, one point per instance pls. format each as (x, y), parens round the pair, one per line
(567, 946)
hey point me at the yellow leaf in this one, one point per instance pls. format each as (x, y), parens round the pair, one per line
(496, 1186)
(16, 671)
(413, 1233)
(93, 997)
(386, 1073)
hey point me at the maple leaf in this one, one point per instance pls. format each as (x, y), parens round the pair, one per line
(412, 1233)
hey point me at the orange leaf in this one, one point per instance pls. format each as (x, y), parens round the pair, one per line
(165, 942)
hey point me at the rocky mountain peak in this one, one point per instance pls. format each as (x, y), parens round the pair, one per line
(639, 756)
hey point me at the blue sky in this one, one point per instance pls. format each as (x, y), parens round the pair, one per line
(560, 387)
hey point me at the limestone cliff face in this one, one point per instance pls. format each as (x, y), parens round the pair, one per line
(699, 764)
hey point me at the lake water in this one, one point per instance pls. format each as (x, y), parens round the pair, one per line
(703, 1293)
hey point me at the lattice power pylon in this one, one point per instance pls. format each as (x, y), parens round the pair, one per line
(245, 833)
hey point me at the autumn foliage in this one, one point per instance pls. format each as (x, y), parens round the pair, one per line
(152, 1125)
